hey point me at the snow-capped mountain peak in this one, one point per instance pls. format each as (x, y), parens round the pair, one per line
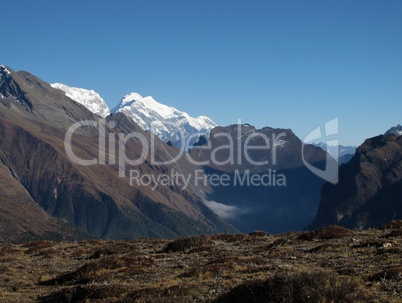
(4, 69)
(396, 130)
(148, 104)
(89, 98)
(132, 97)
(168, 123)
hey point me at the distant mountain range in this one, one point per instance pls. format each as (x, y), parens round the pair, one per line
(46, 194)
(337, 151)
(168, 123)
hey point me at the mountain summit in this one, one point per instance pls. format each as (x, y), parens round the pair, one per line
(89, 98)
(168, 123)
(396, 130)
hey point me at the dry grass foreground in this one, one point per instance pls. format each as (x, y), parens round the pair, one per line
(332, 264)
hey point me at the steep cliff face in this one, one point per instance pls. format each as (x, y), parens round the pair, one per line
(34, 120)
(369, 192)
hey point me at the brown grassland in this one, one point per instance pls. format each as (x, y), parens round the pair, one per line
(331, 264)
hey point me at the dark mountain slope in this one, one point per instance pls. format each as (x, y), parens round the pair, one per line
(34, 119)
(270, 205)
(369, 192)
(21, 217)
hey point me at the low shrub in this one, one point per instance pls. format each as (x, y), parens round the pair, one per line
(316, 287)
(184, 244)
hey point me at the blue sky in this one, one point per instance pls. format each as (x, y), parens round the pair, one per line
(290, 64)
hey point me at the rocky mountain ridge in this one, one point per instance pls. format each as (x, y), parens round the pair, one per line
(34, 120)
